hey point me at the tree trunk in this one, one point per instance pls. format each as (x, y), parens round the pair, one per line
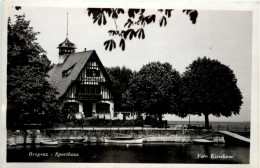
(206, 121)
(160, 117)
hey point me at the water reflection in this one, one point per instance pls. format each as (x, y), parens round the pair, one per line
(123, 145)
(131, 153)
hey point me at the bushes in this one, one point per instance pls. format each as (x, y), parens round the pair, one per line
(150, 121)
(155, 123)
(139, 122)
(101, 122)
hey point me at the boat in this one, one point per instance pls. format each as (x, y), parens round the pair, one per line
(12, 144)
(49, 142)
(72, 141)
(202, 141)
(127, 139)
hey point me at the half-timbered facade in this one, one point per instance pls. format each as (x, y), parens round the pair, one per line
(80, 78)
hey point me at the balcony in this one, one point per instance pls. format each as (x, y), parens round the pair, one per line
(88, 96)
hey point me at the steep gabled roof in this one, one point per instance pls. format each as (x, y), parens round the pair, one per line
(75, 62)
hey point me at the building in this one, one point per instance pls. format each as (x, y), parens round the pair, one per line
(81, 79)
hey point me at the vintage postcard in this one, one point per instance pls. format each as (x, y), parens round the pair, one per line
(143, 84)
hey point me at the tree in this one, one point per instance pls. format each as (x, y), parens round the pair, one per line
(120, 78)
(30, 98)
(134, 26)
(69, 112)
(155, 90)
(210, 87)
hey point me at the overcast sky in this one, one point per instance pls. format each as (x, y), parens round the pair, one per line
(222, 35)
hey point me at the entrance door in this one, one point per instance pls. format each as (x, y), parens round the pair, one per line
(87, 108)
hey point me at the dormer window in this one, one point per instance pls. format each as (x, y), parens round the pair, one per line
(67, 72)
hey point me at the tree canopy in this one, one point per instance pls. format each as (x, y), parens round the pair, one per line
(210, 87)
(134, 25)
(155, 90)
(120, 78)
(30, 97)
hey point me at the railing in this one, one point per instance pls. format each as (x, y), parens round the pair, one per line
(232, 128)
(217, 127)
(85, 96)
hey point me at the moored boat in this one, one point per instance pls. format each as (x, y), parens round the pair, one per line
(12, 144)
(202, 141)
(72, 141)
(49, 142)
(128, 139)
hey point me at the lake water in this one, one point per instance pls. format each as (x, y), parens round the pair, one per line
(122, 153)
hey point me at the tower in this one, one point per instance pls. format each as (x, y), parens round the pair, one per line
(66, 47)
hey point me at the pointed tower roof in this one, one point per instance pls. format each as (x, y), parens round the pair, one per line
(67, 44)
(66, 47)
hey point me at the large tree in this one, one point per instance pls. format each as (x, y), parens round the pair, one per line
(210, 87)
(155, 90)
(30, 98)
(120, 78)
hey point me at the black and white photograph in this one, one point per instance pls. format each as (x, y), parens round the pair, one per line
(129, 84)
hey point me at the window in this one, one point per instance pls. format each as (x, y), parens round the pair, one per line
(66, 73)
(103, 108)
(95, 90)
(93, 73)
(96, 73)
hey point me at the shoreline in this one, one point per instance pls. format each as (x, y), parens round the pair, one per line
(97, 135)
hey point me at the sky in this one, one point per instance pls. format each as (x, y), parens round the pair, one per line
(222, 35)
